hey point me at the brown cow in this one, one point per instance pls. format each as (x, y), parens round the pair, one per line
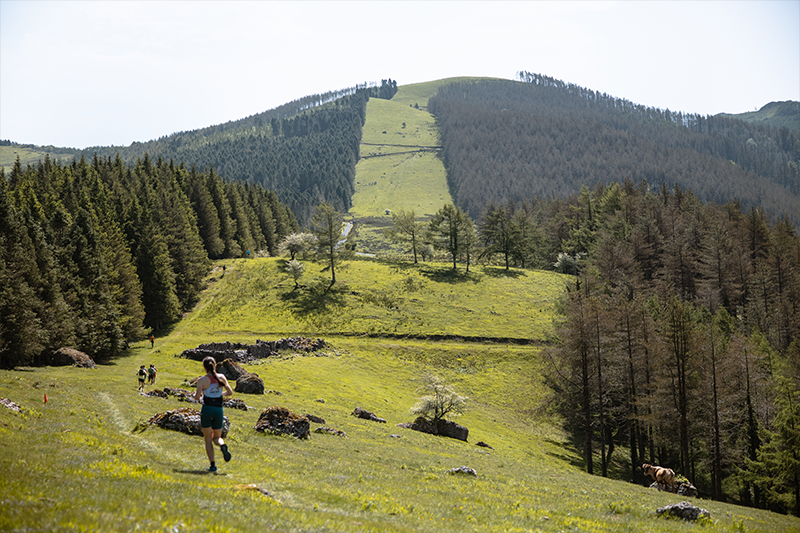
(663, 476)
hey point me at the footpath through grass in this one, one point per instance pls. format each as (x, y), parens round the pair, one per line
(83, 462)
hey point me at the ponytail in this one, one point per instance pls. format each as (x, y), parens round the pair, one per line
(210, 364)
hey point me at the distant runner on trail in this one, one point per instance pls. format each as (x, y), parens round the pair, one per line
(210, 388)
(152, 340)
(151, 374)
(142, 373)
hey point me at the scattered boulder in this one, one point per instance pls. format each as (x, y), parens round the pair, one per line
(483, 445)
(235, 403)
(684, 488)
(186, 420)
(231, 369)
(683, 510)
(314, 418)
(250, 384)
(681, 488)
(184, 395)
(463, 470)
(320, 400)
(8, 404)
(441, 427)
(366, 415)
(421, 424)
(181, 394)
(450, 429)
(70, 356)
(281, 421)
(155, 393)
(330, 431)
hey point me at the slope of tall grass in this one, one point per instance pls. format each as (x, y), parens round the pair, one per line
(85, 460)
(399, 167)
(380, 298)
(8, 156)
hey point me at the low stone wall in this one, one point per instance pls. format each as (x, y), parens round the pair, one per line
(247, 353)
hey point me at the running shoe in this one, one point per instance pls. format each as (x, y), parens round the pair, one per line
(211, 469)
(225, 453)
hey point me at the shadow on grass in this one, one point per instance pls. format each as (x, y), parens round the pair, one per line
(200, 472)
(574, 460)
(499, 272)
(448, 275)
(314, 299)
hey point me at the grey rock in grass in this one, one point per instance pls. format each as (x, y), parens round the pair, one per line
(681, 488)
(463, 470)
(330, 431)
(442, 427)
(184, 395)
(683, 510)
(421, 424)
(366, 415)
(483, 445)
(450, 429)
(8, 404)
(314, 418)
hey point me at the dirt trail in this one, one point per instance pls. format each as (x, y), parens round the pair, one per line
(125, 425)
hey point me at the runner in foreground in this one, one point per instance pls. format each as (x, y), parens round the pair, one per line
(212, 388)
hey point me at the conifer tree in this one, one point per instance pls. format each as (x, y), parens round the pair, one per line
(208, 222)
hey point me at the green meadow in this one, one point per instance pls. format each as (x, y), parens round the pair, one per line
(399, 167)
(9, 154)
(87, 461)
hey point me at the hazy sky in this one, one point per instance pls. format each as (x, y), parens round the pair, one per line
(84, 74)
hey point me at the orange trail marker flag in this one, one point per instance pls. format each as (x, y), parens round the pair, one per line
(45, 398)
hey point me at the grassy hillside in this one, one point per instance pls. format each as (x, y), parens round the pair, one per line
(83, 462)
(257, 297)
(399, 167)
(776, 114)
(8, 155)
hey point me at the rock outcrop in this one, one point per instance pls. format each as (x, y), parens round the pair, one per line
(442, 427)
(367, 415)
(450, 429)
(330, 431)
(422, 425)
(184, 395)
(463, 470)
(8, 404)
(249, 384)
(281, 421)
(681, 488)
(683, 510)
(247, 353)
(231, 369)
(186, 420)
(70, 356)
